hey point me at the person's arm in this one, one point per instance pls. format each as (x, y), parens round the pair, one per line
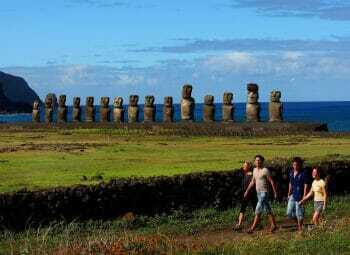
(305, 189)
(272, 185)
(306, 197)
(325, 198)
(250, 186)
(289, 189)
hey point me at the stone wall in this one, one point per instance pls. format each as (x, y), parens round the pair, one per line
(148, 196)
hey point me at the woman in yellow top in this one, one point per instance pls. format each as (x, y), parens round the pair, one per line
(318, 190)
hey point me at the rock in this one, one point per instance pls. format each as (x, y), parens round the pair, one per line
(129, 216)
(17, 90)
(8, 106)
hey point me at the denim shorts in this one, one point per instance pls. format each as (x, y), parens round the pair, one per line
(318, 206)
(294, 210)
(263, 204)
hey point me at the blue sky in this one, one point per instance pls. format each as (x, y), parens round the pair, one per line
(119, 47)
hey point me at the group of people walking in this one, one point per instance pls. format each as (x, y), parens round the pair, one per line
(298, 193)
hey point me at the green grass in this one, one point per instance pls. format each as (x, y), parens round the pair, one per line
(205, 231)
(40, 159)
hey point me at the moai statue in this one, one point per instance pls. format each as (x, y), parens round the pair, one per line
(187, 104)
(49, 105)
(62, 109)
(36, 111)
(76, 109)
(89, 110)
(105, 112)
(227, 107)
(275, 107)
(149, 110)
(168, 110)
(133, 109)
(253, 106)
(209, 109)
(118, 111)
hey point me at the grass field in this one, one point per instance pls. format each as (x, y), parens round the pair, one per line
(205, 231)
(40, 159)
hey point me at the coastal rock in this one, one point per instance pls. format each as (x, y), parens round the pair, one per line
(17, 90)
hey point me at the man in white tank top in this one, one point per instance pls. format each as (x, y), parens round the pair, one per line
(261, 179)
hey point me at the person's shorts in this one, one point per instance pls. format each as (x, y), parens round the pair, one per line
(318, 206)
(251, 199)
(263, 205)
(294, 210)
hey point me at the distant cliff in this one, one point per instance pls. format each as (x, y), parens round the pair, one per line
(15, 94)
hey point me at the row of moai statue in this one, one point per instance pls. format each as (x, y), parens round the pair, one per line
(149, 110)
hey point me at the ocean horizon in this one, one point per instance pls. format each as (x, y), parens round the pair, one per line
(335, 113)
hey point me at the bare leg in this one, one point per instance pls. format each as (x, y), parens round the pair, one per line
(273, 224)
(300, 225)
(316, 218)
(255, 223)
(240, 220)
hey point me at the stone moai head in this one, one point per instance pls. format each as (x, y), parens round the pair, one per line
(49, 101)
(36, 105)
(227, 98)
(62, 101)
(89, 101)
(186, 91)
(104, 102)
(36, 111)
(118, 102)
(253, 93)
(149, 101)
(275, 96)
(209, 100)
(168, 101)
(168, 110)
(133, 100)
(76, 102)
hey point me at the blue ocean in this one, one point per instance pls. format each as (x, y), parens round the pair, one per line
(335, 114)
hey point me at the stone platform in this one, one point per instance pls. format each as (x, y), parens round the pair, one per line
(182, 128)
